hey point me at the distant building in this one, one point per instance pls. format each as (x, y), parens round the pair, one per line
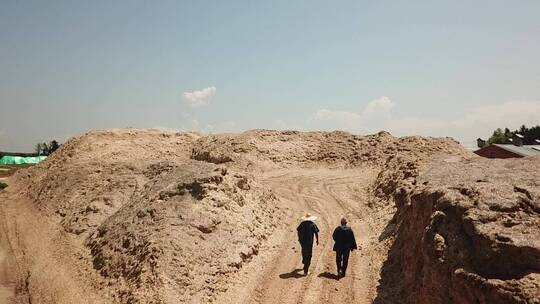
(509, 151)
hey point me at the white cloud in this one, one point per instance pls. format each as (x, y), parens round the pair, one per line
(166, 129)
(367, 120)
(325, 114)
(192, 124)
(199, 98)
(415, 126)
(476, 122)
(513, 114)
(283, 125)
(379, 105)
(379, 114)
(225, 126)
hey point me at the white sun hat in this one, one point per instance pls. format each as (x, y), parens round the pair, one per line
(308, 217)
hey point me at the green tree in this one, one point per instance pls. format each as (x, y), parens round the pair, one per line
(47, 148)
(530, 135)
(39, 149)
(53, 146)
(498, 137)
(522, 130)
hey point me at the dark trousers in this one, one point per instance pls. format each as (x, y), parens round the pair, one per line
(342, 260)
(306, 255)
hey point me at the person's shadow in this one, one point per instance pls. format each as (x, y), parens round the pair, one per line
(329, 275)
(295, 274)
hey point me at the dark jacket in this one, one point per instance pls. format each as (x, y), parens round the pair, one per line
(344, 238)
(306, 231)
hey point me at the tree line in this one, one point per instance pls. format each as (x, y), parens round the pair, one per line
(47, 148)
(530, 135)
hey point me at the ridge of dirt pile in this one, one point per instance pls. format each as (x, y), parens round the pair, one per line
(183, 233)
(159, 226)
(291, 148)
(94, 175)
(146, 216)
(468, 231)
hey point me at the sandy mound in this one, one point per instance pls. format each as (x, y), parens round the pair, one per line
(144, 216)
(180, 236)
(94, 175)
(158, 225)
(260, 148)
(468, 232)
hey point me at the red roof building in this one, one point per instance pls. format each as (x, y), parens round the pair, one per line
(508, 151)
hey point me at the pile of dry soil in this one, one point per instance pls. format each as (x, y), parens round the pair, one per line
(145, 216)
(468, 232)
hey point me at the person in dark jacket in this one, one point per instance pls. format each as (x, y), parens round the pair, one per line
(344, 244)
(306, 230)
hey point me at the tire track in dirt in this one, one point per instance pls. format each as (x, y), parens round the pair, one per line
(362, 275)
(7, 279)
(330, 194)
(288, 264)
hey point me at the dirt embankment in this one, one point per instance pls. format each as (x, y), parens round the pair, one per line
(267, 149)
(142, 222)
(144, 216)
(179, 238)
(468, 232)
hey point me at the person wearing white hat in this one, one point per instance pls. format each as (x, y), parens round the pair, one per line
(306, 230)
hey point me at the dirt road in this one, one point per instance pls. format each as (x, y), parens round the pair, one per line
(17, 219)
(276, 276)
(7, 281)
(149, 216)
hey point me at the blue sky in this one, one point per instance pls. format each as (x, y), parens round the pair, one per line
(450, 68)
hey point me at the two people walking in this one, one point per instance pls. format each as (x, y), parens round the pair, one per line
(343, 237)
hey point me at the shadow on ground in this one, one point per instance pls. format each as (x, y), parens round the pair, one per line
(390, 288)
(295, 274)
(329, 275)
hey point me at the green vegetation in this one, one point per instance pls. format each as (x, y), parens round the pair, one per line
(503, 137)
(3, 186)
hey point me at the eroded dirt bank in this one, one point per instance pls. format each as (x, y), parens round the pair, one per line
(144, 216)
(468, 231)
